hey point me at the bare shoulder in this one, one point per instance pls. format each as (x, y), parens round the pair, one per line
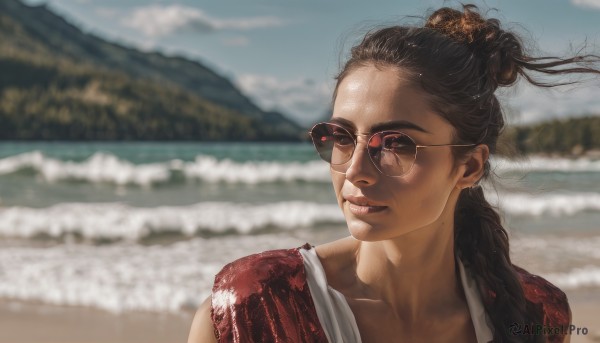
(202, 330)
(338, 259)
(337, 248)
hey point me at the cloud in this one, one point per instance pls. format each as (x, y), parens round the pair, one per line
(536, 104)
(157, 20)
(587, 3)
(305, 100)
(106, 12)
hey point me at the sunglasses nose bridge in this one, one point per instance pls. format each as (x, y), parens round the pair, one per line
(364, 150)
(372, 143)
(357, 143)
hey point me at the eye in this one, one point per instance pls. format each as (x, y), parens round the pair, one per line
(342, 138)
(398, 143)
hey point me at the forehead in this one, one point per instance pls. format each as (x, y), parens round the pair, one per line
(369, 96)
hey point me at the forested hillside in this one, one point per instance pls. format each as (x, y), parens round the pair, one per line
(571, 136)
(59, 83)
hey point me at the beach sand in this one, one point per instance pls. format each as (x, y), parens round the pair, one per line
(28, 322)
(585, 306)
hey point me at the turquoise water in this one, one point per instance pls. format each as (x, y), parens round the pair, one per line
(129, 226)
(149, 152)
(149, 174)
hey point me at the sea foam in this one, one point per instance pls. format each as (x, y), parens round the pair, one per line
(102, 167)
(540, 163)
(177, 277)
(586, 276)
(120, 221)
(126, 277)
(549, 203)
(107, 168)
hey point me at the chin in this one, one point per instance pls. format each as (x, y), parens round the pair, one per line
(364, 231)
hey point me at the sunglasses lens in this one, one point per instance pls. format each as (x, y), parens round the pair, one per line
(395, 154)
(392, 152)
(333, 143)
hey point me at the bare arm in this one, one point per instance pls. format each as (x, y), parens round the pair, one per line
(202, 330)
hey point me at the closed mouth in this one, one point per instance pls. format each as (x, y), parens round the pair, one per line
(361, 201)
(365, 205)
(360, 210)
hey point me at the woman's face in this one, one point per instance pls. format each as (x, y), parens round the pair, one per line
(366, 97)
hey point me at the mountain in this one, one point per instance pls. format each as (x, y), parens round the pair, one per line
(57, 82)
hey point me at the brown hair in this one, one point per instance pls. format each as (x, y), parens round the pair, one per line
(459, 59)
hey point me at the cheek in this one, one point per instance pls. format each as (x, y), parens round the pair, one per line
(422, 194)
(337, 180)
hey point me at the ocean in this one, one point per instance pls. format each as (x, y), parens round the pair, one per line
(146, 226)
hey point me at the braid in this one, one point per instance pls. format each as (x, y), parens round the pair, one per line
(459, 59)
(482, 244)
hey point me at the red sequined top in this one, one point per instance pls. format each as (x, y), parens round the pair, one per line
(264, 297)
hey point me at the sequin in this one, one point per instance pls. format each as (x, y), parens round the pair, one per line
(265, 297)
(549, 299)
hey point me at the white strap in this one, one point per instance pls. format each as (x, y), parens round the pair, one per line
(478, 315)
(339, 322)
(333, 310)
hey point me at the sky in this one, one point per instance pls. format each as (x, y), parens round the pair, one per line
(284, 54)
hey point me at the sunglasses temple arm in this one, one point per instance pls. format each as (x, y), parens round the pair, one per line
(425, 146)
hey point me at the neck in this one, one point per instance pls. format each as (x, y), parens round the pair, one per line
(414, 274)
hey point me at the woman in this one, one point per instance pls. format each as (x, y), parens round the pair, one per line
(414, 122)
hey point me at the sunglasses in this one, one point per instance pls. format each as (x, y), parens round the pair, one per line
(393, 153)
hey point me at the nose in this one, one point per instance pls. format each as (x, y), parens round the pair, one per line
(361, 169)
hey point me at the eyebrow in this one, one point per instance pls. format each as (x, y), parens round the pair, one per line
(389, 125)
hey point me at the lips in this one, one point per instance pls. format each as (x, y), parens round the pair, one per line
(359, 205)
(362, 201)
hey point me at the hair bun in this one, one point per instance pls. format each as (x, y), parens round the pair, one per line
(485, 37)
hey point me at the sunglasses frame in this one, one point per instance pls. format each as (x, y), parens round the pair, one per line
(370, 136)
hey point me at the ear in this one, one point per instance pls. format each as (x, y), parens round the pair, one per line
(473, 166)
